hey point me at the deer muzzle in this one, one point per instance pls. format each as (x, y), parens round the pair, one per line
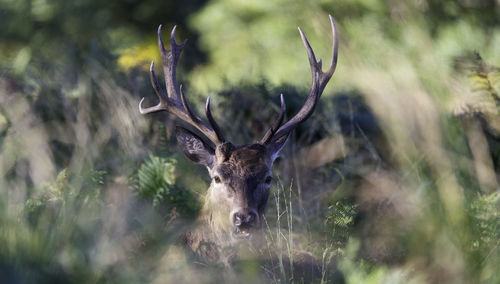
(244, 221)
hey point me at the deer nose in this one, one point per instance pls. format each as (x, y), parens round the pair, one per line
(244, 218)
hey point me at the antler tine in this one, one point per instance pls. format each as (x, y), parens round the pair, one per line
(316, 65)
(215, 132)
(169, 59)
(174, 100)
(186, 107)
(154, 82)
(212, 122)
(335, 48)
(277, 123)
(319, 81)
(159, 93)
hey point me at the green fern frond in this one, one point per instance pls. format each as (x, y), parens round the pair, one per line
(156, 179)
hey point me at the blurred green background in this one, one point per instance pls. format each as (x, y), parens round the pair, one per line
(394, 179)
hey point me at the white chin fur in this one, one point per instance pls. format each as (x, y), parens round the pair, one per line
(244, 236)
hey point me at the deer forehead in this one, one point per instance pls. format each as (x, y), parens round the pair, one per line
(248, 161)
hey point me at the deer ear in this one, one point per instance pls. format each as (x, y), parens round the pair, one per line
(194, 148)
(275, 147)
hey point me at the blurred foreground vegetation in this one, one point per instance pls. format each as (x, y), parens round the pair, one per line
(394, 179)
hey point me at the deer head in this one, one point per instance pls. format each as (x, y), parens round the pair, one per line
(241, 175)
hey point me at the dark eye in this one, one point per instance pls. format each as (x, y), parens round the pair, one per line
(217, 179)
(268, 180)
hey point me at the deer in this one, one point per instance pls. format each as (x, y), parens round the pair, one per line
(241, 175)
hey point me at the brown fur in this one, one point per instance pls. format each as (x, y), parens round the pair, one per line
(242, 167)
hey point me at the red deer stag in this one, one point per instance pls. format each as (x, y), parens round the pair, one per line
(237, 198)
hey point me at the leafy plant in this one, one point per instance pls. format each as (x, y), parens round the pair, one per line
(156, 179)
(54, 195)
(339, 220)
(486, 219)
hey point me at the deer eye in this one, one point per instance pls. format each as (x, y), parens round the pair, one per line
(268, 180)
(217, 179)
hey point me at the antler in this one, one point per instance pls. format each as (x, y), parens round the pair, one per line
(319, 81)
(174, 101)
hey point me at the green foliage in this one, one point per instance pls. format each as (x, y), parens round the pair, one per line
(262, 38)
(485, 217)
(52, 197)
(42, 28)
(156, 179)
(59, 220)
(71, 136)
(359, 271)
(154, 174)
(484, 244)
(339, 221)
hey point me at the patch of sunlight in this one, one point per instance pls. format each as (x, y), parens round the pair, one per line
(258, 45)
(139, 56)
(21, 60)
(42, 10)
(453, 40)
(13, 5)
(3, 123)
